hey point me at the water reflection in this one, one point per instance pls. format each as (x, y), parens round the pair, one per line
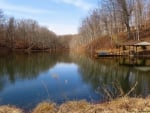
(27, 79)
(26, 66)
(106, 71)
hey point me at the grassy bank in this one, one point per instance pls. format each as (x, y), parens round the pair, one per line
(121, 105)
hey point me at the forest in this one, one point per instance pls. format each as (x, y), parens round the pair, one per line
(111, 22)
(27, 34)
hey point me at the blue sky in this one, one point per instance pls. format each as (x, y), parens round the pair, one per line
(60, 16)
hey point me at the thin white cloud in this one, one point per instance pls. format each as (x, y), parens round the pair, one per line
(22, 9)
(78, 3)
(61, 29)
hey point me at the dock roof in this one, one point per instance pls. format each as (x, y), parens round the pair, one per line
(135, 43)
(142, 44)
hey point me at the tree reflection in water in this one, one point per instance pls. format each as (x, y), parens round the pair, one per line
(100, 72)
(26, 66)
(94, 74)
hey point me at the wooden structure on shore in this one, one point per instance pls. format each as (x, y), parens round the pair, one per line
(133, 48)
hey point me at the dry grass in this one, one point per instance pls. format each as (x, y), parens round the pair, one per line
(125, 105)
(121, 105)
(45, 107)
(10, 109)
(74, 107)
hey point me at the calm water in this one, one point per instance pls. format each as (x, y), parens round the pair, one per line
(27, 79)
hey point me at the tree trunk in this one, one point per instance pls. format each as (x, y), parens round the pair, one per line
(128, 31)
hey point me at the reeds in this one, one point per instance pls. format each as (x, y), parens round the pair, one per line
(120, 105)
(114, 90)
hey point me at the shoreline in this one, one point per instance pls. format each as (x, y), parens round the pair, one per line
(120, 105)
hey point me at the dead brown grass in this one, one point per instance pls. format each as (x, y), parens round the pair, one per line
(45, 107)
(126, 105)
(121, 105)
(74, 107)
(10, 109)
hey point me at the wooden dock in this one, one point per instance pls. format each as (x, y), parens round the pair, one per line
(107, 54)
(129, 49)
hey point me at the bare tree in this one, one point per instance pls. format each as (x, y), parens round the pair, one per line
(148, 10)
(126, 9)
(138, 15)
(11, 32)
(28, 34)
(2, 19)
(90, 28)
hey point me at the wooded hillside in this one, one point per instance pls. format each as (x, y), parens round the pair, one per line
(112, 22)
(26, 34)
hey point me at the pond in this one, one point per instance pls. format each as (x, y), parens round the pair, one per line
(28, 79)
